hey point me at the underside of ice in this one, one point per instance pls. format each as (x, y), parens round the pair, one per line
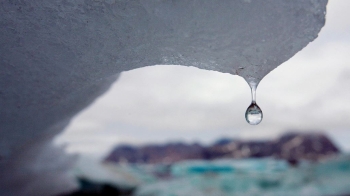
(58, 56)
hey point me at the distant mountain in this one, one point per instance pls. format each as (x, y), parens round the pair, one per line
(167, 153)
(223, 141)
(310, 146)
(290, 146)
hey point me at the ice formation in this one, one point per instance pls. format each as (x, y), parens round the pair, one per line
(58, 56)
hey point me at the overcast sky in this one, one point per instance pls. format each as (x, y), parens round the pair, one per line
(311, 91)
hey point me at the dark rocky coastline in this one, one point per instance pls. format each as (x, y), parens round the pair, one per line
(290, 146)
(90, 188)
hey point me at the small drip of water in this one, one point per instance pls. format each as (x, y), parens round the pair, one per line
(253, 115)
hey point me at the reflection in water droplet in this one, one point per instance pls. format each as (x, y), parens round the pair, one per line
(253, 115)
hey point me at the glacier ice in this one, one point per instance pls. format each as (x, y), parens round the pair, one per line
(58, 56)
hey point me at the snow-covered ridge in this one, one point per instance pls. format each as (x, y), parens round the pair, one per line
(58, 56)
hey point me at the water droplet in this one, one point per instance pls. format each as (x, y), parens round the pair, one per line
(253, 115)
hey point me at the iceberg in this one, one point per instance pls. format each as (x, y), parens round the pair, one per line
(57, 57)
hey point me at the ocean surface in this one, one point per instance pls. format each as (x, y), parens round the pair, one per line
(226, 177)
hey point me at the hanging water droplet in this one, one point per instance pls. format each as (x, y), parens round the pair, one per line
(253, 115)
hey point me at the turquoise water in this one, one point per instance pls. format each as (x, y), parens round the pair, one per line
(263, 177)
(226, 177)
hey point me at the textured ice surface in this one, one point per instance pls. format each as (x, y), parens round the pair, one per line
(58, 56)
